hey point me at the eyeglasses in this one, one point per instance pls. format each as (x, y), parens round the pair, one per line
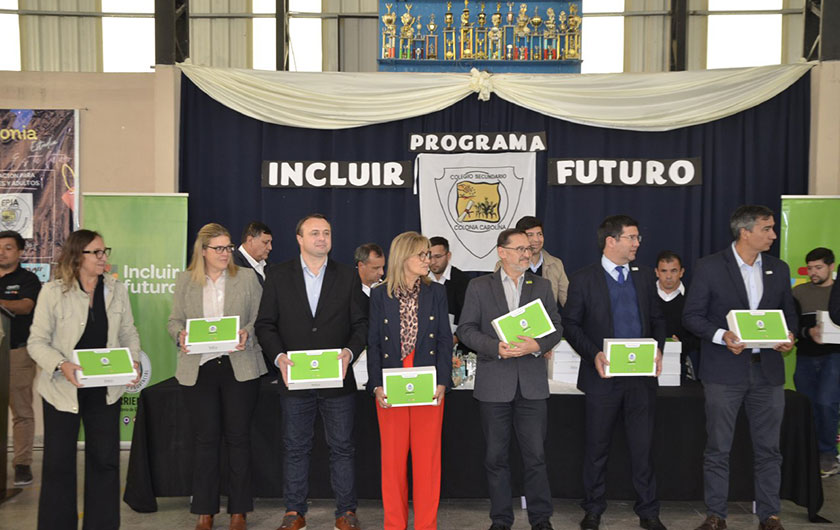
(99, 253)
(425, 256)
(438, 256)
(222, 249)
(520, 250)
(634, 237)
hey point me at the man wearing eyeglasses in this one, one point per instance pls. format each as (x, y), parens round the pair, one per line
(19, 290)
(309, 303)
(613, 298)
(511, 383)
(254, 249)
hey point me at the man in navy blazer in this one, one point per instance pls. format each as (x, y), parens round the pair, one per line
(511, 382)
(742, 276)
(254, 249)
(311, 303)
(613, 298)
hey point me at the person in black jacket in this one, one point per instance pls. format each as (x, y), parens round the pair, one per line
(312, 302)
(254, 249)
(671, 290)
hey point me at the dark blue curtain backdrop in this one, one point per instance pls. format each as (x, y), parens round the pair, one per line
(752, 157)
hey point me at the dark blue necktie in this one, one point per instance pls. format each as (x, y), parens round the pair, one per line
(620, 271)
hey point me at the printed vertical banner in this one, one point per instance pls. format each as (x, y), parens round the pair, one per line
(808, 222)
(148, 235)
(39, 158)
(470, 198)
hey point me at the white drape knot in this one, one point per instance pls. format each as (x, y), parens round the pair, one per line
(482, 83)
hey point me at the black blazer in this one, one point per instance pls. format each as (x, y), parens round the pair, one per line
(716, 289)
(587, 319)
(456, 291)
(242, 261)
(834, 303)
(285, 322)
(434, 336)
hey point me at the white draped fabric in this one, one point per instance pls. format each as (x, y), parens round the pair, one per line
(640, 102)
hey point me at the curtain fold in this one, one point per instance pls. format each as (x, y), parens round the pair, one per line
(639, 102)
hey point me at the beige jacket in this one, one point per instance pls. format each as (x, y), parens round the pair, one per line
(242, 297)
(58, 324)
(553, 271)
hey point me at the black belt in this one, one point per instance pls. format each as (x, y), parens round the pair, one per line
(755, 358)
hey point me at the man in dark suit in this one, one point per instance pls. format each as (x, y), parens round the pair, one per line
(455, 280)
(741, 276)
(254, 249)
(614, 298)
(311, 302)
(511, 382)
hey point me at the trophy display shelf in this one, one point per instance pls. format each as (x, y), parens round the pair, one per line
(488, 65)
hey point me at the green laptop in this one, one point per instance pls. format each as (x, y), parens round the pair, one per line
(314, 369)
(630, 357)
(104, 367)
(530, 320)
(762, 328)
(410, 387)
(212, 335)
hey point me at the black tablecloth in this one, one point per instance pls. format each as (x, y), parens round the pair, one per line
(160, 464)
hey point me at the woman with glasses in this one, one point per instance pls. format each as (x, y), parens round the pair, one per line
(220, 389)
(409, 327)
(82, 308)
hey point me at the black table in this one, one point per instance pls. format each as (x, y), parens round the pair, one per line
(160, 464)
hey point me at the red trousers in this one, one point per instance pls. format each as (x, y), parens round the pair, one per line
(418, 429)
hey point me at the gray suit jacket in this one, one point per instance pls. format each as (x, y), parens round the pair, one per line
(496, 379)
(242, 297)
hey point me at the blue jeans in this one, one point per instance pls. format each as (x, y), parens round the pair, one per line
(819, 379)
(298, 434)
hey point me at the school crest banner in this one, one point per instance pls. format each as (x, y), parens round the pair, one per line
(469, 198)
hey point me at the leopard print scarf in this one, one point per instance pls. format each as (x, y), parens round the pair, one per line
(408, 317)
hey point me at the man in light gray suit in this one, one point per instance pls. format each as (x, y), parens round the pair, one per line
(511, 382)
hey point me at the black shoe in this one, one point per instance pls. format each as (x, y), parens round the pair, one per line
(651, 523)
(543, 525)
(23, 475)
(495, 526)
(590, 521)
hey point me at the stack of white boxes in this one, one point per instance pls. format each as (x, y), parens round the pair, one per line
(830, 330)
(565, 363)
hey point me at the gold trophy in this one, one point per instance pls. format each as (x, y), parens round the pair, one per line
(522, 34)
(467, 41)
(389, 33)
(550, 36)
(431, 38)
(536, 36)
(572, 48)
(495, 37)
(481, 35)
(406, 33)
(448, 34)
(508, 33)
(418, 43)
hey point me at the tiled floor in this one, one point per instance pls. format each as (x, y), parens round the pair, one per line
(20, 512)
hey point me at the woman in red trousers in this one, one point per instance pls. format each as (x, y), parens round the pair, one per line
(409, 327)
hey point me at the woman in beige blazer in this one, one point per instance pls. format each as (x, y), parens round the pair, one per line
(83, 308)
(220, 389)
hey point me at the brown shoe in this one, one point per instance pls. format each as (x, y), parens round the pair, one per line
(712, 522)
(293, 521)
(771, 523)
(237, 521)
(205, 522)
(348, 521)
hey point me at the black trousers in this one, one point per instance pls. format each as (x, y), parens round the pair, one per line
(57, 508)
(635, 397)
(219, 405)
(528, 418)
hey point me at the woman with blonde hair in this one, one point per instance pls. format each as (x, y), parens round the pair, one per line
(409, 327)
(83, 308)
(220, 389)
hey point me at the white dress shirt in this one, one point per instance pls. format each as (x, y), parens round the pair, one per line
(214, 307)
(258, 266)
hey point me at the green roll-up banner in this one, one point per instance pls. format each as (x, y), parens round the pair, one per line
(148, 234)
(808, 222)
